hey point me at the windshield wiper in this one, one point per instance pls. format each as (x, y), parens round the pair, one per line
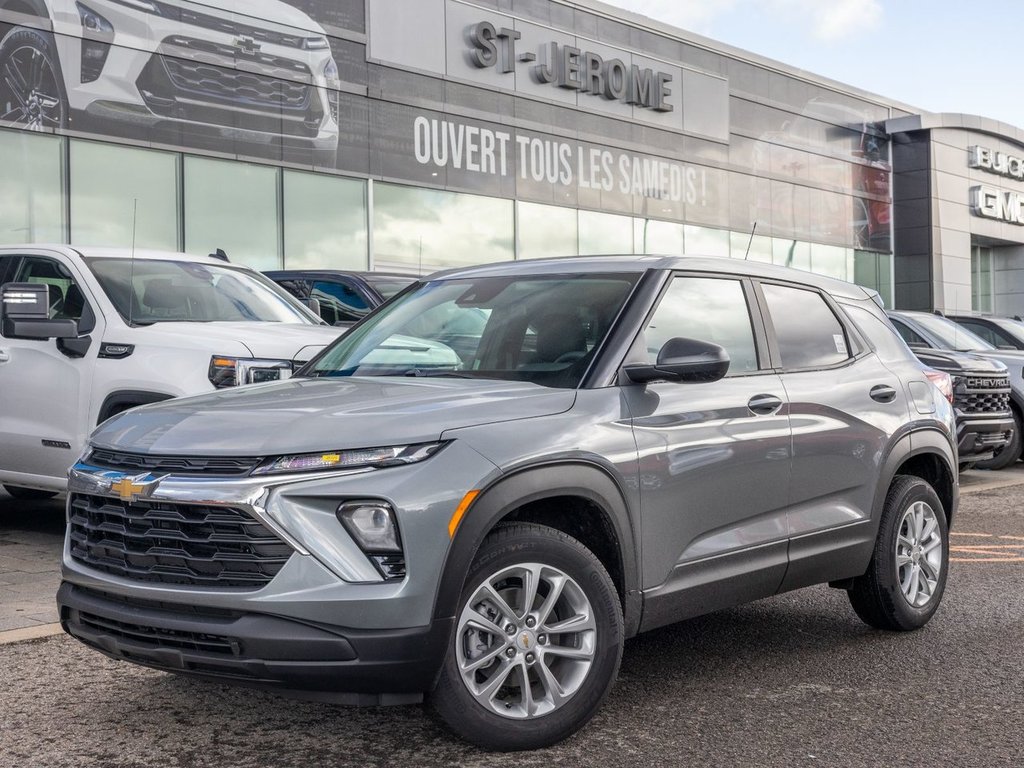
(438, 374)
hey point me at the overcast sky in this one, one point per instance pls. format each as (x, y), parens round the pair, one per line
(939, 55)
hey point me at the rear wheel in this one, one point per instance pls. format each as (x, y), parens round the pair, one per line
(904, 583)
(537, 643)
(28, 494)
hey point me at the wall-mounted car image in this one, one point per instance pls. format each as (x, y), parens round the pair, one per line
(170, 70)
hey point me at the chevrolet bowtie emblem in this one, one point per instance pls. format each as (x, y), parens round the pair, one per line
(129, 488)
(525, 640)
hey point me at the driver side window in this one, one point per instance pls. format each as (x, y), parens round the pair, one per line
(706, 309)
(67, 302)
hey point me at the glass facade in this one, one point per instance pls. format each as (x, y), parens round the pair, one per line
(981, 278)
(31, 188)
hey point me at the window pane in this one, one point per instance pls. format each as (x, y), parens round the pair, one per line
(662, 237)
(338, 302)
(115, 190)
(760, 247)
(324, 222)
(908, 334)
(808, 332)
(66, 299)
(428, 229)
(605, 233)
(981, 279)
(31, 210)
(828, 260)
(546, 230)
(232, 206)
(791, 253)
(701, 241)
(707, 309)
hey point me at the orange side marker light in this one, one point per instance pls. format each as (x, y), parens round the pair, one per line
(467, 500)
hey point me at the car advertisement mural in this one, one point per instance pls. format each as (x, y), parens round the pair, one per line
(291, 82)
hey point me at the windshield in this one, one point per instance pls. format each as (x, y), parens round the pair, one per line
(952, 335)
(527, 328)
(183, 291)
(391, 286)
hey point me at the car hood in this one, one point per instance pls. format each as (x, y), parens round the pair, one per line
(958, 362)
(309, 415)
(279, 12)
(274, 341)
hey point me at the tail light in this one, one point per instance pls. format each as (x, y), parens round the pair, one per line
(942, 381)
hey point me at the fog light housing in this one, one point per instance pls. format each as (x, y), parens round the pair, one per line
(372, 525)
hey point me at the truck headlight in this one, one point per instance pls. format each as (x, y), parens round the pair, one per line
(231, 371)
(392, 456)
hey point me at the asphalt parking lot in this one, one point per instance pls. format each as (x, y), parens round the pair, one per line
(793, 680)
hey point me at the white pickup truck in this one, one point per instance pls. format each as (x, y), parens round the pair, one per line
(86, 333)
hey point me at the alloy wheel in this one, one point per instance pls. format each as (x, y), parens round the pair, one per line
(526, 640)
(919, 553)
(29, 90)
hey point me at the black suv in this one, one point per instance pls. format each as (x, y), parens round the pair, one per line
(341, 298)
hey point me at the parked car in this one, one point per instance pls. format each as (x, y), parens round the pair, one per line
(1000, 332)
(630, 441)
(86, 333)
(979, 389)
(924, 329)
(167, 68)
(341, 298)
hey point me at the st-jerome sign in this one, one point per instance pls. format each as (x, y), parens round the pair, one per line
(568, 67)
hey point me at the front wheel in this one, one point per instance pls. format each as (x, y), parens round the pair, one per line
(537, 643)
(32, 93)
(905, 580)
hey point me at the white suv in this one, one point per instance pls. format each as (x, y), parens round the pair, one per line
(153, 69)
(88, 333)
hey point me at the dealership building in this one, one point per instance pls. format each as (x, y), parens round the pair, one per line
(413, 135)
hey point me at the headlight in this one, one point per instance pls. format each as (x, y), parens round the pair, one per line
(97, 34)
(395, 455)
(230, 371)
(333, 80)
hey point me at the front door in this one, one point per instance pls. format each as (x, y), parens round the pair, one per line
(45, 403)
(714, 458)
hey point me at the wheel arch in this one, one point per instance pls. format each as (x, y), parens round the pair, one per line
(577, 497)
(926, 454)
(29, 7)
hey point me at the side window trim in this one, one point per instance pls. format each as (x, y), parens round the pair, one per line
(856, 346)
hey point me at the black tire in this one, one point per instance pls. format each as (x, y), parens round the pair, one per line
(877, 596)
(32, 92)
(1009, 453)
(507, 547)
(28, 494)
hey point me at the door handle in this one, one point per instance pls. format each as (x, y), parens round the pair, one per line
(883, 393)
(764, 405)
(5, 356)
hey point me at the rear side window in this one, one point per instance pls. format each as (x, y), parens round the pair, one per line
(808, 332)
(883, 337)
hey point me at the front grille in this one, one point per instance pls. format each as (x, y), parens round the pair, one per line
(982, 394)
(258, 92)
(158, 637)
(178, 465)
(185, 544)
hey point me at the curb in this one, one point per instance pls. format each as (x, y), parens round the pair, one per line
(24, 634)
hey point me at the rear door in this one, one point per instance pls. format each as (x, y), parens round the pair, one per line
(713, 457)
(845, 407)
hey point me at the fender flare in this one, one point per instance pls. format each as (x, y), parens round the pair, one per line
(918, 442)
(535, 483)
(29, 7)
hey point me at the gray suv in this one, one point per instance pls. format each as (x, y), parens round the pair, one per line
(487, 485)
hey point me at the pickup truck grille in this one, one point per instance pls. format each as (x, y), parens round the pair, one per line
(224, 466)
(184, 544)
(981, 394)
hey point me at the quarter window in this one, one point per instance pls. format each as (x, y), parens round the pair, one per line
(808, 332)
(706, 309)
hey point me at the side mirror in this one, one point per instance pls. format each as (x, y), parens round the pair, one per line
(25, 311)
(685, 360)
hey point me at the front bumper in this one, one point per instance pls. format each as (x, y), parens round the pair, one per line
(346, 665)
(978, 439)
